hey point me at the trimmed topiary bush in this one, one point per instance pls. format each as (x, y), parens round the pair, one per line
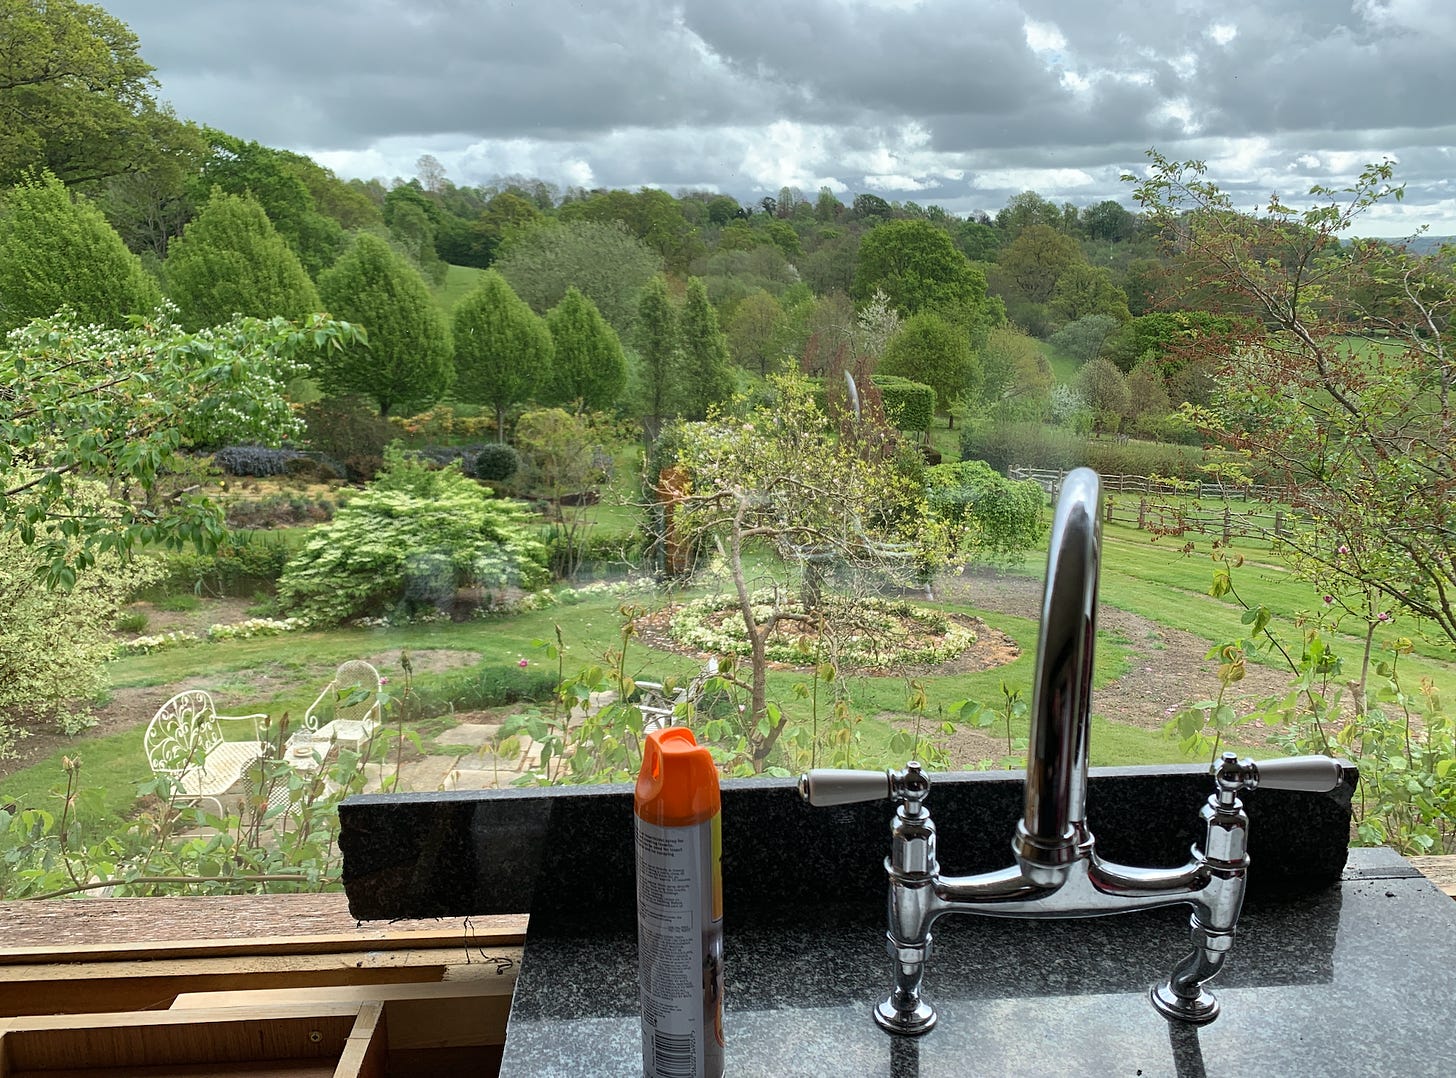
(908, 405)
(496, 463)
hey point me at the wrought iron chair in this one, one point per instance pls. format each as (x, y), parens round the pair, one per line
(184, 742)
(349, 709)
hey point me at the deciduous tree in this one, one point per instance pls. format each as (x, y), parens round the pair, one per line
(230, 260)
(407, 364)
(602, 261)
(589, 368)
(57, 249)
(931, 351)
(919, 268)
(503, 351)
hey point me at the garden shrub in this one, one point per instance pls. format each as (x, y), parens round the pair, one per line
(282, 509)
(241, 566)
(255, 460)
(489, 685)
(908, 405)
(341, 428)
(988, 515)
(1035, 445)
(391, 549)
(496, 462)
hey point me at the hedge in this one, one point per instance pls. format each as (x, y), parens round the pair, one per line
(1036, 445)
(908, 405)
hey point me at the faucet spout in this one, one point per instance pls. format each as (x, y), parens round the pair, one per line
(1052, 834)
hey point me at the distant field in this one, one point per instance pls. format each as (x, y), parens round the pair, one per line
(458, 281)
(1064, 367)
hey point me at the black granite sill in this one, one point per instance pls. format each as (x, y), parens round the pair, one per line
(565, 854)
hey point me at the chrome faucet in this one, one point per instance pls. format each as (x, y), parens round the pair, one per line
(1057, 872)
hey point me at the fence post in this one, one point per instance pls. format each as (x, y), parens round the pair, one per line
(1226, 523)
(1278, 523)
(1142, 513)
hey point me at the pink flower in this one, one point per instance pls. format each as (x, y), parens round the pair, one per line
(1329, 599)
(384, 681)
(1344, 549)
(522, 663)
(1384, 615)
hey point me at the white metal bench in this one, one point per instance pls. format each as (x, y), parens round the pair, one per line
(349, 708)
(184, 743)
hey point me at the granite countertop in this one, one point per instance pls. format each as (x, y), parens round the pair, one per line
(1356, 979)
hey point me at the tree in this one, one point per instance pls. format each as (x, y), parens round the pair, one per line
(1027, 210)
(278, 180)
(75, 95)
(660, 363)
(57, 250)
(707, 374)
(1109, 221)
(55, 644)
(230, 260)
(919, 268)
(1361, 432)
(1017, 376)
(589, 368)
(930, 350)
(1035, 260)
(503, 351)
(407, 364)
(1084, 290)
(758, 333)
(1104, 388)
(117, 406)
(779, 478)
(1083, 339)
(876, 323)
(987, 515)
(602, 261)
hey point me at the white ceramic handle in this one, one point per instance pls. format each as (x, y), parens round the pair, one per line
(836, 786)
(1315, 774)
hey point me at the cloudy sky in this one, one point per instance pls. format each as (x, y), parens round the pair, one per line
(957, 102)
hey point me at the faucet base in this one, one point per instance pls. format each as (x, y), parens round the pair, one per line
(1199, 1010)
(912, 1023)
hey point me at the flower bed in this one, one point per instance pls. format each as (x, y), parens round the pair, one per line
(865, 633)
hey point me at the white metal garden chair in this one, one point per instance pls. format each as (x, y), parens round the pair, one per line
(184, 742)
(350, 707)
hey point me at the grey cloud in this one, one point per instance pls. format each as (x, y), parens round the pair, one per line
(672, 94)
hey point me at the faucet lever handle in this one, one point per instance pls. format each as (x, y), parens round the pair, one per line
(826, 786)
(1313, 774)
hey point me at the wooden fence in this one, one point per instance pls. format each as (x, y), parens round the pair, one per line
(1172, 508)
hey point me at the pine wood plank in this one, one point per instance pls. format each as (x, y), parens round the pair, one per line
(1440, 870)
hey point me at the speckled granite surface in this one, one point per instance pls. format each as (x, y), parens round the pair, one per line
(565, 854)
(1357, 979)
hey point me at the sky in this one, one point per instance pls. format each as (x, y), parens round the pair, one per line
(961, 103)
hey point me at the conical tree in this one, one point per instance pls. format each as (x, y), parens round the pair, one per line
(407, 364)
(231, 260)
(58, 250)
(660, 366)
(707, 368)
(502, 349)
(589, 367)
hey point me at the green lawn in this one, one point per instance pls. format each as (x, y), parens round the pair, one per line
(459, 280)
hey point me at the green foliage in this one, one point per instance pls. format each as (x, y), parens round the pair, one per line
(660, 373)
(1363, 435)
(58, 250)
(503, 351)
(280, 182)
(76, 95)
(919, 268)
(406, 365)
(496, 463)
(933, 352)
(1083, 338)
(230, 260)
(589, 366)
(404, 546)
(345, 429)
(1028, 268)
(908, 405)
(117, 406)
(706, 377)
(243, 564)
(1034, 445)
(1171, 337)
(1104, 388)
(54, 644)
(1084, 290)
(989, 516)
(1018, 375)
(602, 261)
(1403, 741)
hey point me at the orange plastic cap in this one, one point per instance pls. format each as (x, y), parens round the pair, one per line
(678, 783)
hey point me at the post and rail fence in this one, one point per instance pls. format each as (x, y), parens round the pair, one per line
(1172, 507)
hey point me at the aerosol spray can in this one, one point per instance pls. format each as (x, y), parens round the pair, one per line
(679, 907)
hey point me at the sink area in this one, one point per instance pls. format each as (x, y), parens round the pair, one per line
(1354, 980)
(1345, 961)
